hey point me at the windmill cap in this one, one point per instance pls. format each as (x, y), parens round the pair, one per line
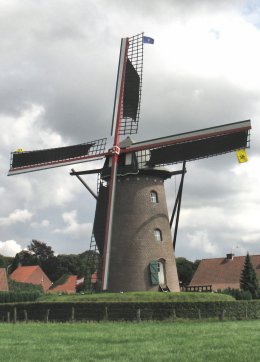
(128, 141)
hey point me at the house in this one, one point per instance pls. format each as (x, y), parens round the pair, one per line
(69, 286)
(31, 274)
(3, 281)
(222, 273)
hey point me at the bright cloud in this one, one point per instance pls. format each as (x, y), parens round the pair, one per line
(17, 216)
(9, 248)
(29, 129)
(217, 48)
(200, 241)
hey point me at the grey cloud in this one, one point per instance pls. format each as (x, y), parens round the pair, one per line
(193, 103)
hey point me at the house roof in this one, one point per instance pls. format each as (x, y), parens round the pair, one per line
(23, 273)
(3, 281)
(68, 287)
(31, 274)
(222, 273)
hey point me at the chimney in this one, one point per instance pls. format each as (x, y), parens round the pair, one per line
(230, 256)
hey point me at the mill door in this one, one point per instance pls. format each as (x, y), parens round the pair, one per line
(161, 273)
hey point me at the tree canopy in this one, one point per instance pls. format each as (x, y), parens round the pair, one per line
(186, 270)
(41, 250)
(24, 258)
(5, 261)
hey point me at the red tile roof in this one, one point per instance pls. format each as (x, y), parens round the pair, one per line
(222, 273)
(31, 274)
(3, 281)
(68, 287)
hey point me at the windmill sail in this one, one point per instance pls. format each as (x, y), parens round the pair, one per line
(131, 98)
(198, 149)
(100, 218)
(131, 92)
(193, 145)
(29, 161)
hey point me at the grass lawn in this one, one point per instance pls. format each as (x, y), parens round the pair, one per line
(136, 297)
(147, 341)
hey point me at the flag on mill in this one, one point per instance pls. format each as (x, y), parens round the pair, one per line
(242, 156)
(147, 40)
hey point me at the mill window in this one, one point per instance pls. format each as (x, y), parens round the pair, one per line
(154, 197)
(158, 235)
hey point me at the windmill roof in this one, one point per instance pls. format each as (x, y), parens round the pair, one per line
(69, 286)
(222, 273)
(3, 281)
(31, 274)
(128, 141)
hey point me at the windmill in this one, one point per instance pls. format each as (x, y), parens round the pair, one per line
(131, 229)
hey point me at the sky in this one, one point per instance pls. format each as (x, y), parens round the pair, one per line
(58, 66)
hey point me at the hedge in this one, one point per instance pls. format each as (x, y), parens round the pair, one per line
(64, 312)
(15, 286)
(9, 297)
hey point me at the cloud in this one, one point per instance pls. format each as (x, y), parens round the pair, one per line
(9, 248)
(17, 216)
(43, 223)
(200, 241)
(73, 227)
(57, 84)
(29, 128)
(251, 237)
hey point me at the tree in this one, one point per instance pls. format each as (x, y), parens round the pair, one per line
(24, 258)
(186, 269)
(69, 264)
(50, 267)
(38, 253)
(5, 261)
(41, 250)
(45, 257)
(248, 279)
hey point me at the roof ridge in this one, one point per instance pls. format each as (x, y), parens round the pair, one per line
(28, 266)
(234, 256)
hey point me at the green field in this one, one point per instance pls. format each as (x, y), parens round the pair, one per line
(146, 341)
(136, 297)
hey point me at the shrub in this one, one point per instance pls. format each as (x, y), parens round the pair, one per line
(246, 295)
(238, 294)
(23, 287)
